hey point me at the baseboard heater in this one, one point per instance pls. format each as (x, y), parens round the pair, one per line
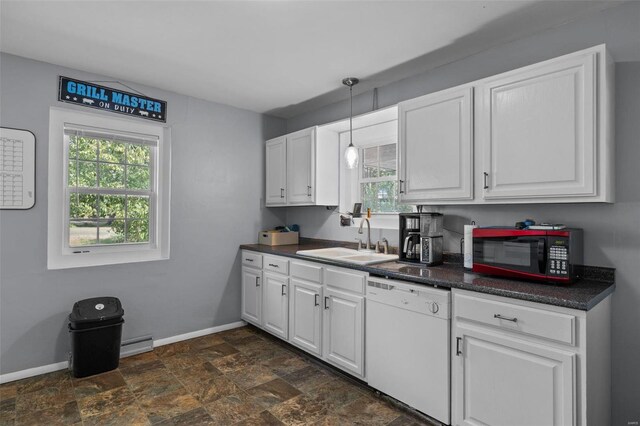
(137, 345)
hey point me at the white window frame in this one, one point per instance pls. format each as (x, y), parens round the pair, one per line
(59, 254)
(350, 179)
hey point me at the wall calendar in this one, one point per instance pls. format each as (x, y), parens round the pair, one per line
(17, 169)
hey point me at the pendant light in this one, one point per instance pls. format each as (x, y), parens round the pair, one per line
(351, 154)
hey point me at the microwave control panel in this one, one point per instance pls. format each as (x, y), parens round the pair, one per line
(558, 258)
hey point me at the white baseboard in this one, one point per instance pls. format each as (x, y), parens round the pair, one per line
(199, 333)
(35, 371)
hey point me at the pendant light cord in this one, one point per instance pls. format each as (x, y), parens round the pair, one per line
(351, 117)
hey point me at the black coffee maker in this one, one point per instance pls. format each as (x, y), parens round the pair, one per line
(421, 239)
(409, 237)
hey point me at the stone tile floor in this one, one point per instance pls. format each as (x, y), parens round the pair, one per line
(237, 377)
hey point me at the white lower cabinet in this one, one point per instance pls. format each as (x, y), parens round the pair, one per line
(275, 318)
(506, 381)
(251, 310)
(317, 308)
(513, 362)
(305, 315)
(344, 330)
(523, 363)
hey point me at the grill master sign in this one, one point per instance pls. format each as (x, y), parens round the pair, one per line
(101, 97)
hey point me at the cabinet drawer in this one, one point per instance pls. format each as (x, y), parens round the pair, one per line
(522, 319)
(306, 271)
(276, 264)
(345, 279)
(251, 259)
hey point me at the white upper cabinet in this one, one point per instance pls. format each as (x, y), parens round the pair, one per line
(276, 172)
(302, 169)
(538, 134)
(539, 128)
(436, 146)
(300, 166)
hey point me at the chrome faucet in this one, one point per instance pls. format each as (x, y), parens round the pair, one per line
(385, 243)
(364, 219)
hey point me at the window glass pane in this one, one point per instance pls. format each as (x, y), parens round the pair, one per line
(387, 160)
(83, 233)
(111, 175)
(82, 206)
(72, 173)
(381, 197)
(404, 208)
(112, 206)
(138, 177)
(111, 151)
(111, 231)
(386, 193)
(370, 162)
(137, 231)
(73, 147)
(138, 207)
(87, 148)
(138, 154)
(87, 175)
(369, 197)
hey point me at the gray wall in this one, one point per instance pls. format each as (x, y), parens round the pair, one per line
(612, 232)
(217, 187)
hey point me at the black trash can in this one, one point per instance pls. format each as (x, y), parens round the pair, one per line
(96, 331)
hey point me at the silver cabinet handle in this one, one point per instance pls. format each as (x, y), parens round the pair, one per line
(275, 266)
(316, 301)
(308, 191)
(281, 192)
(514, 319)
(249, 260)
(400, 186)
(458, 341)
(326, 299)
(486, 185)
(284, 287)
(257, 281)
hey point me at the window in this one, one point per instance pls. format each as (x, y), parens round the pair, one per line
(375, 182)
(109, 194)
(378, 184)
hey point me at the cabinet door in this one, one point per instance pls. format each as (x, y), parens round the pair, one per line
(506, 381)
(343, 339)
(276, 310)
(305, 320)
(300, 167)
(538, 130)
(276, 172)
(252, 295)
(436, 146)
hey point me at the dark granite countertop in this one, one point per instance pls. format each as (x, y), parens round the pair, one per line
(583, 294)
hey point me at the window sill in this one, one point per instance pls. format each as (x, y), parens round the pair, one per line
(68, 261)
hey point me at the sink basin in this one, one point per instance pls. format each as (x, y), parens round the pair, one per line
(341, 254)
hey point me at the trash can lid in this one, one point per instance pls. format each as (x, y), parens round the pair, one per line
(96, 309)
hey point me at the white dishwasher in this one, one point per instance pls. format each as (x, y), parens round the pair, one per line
(407, 344)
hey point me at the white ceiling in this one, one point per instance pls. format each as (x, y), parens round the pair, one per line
(281, 57)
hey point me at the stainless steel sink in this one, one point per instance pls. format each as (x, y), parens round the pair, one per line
(341, 254)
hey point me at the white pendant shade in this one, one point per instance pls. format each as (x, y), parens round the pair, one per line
(351, 156)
